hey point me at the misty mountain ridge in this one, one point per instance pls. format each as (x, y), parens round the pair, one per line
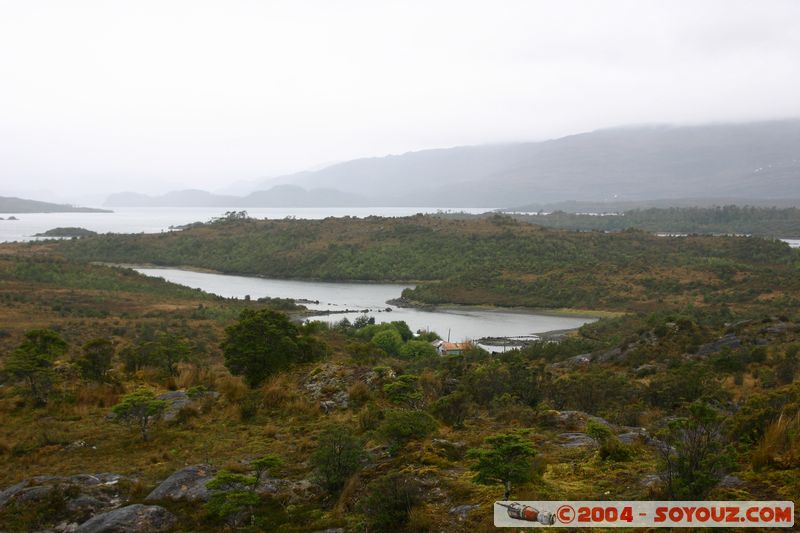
(277, 196)
(758, 160)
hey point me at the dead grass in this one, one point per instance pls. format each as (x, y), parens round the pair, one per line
(780, 445)
(279, 391)
(232, 388)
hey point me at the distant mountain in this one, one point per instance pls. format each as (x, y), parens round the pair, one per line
(278, 196)
(737, 161)
(20, 205)
(614, 206)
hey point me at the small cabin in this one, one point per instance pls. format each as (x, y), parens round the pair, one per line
(450, 348)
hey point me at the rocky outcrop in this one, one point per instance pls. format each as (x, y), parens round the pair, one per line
(293, 491)
(726, 341)
(329, 383)
(188, 484)
(130, 519)
(84, 495)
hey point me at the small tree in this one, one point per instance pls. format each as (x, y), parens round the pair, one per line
(390, 501)
(140, 407)
(693, 455)
(505, 459)
(405, 390)
(233, 497)
(264, 342)
(96, 358)
(169, 350)
(33, 361)
(337, 457)
(264, 464)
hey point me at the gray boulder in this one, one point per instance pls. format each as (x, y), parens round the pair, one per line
(13, 490)
(131, 519)
(730, 481)
(576, 440)
(730, 341)
(631, 437)
(462, 511)
(188, 484)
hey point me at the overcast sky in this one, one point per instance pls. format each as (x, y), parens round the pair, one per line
(155, 95)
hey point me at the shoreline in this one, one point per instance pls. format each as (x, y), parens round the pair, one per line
(400, 301)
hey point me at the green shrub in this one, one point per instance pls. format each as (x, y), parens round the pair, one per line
(404, 390)
(609, 446)
(389, 502)
(401, 426)
(453, 409)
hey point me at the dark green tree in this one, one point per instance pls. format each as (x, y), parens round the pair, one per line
(405, 390)
(415, 349)
(95, 361)
(338, 456)
(264, 342)
(141, 408)
(505, 459)
(33, 361)
(168, 350)
(388, 340)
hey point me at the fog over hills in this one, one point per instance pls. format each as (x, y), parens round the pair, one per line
(740, 162)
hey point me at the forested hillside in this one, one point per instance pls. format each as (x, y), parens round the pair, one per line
(496, 261)
(730, 219)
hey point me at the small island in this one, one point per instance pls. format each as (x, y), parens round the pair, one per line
(67, 232)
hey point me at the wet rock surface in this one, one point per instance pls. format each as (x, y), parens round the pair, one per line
(133, 518)
(188, 484)
(575, 440)
(726, 341)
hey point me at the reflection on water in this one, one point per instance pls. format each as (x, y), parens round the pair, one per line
(459, 324)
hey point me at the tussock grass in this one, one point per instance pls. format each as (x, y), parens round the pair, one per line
(780, 445)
